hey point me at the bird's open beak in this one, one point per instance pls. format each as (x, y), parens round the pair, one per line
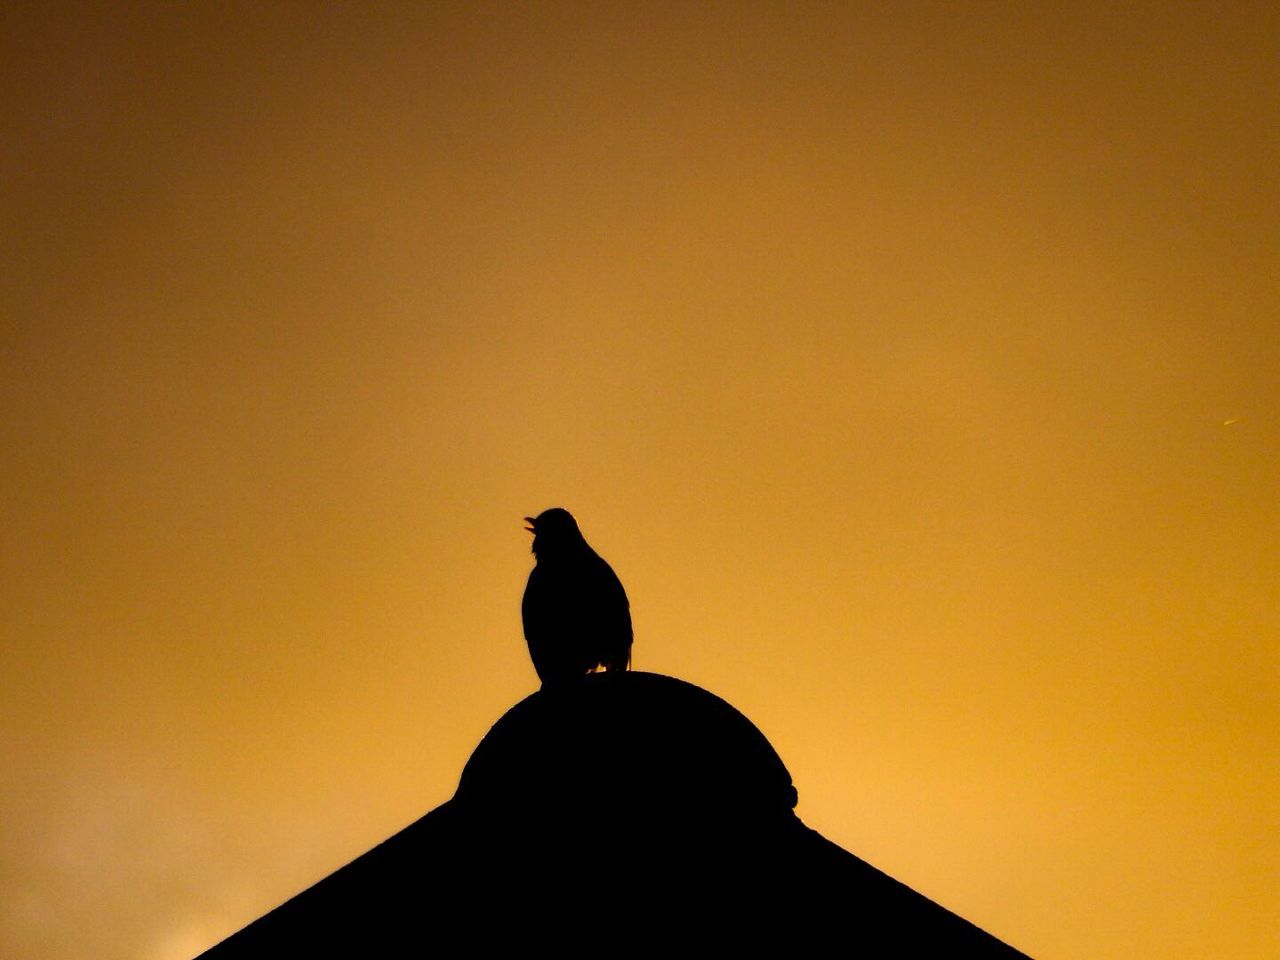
(529, 524)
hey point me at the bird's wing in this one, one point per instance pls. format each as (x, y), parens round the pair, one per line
(613, 612)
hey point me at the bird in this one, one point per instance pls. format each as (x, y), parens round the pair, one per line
(577, 619)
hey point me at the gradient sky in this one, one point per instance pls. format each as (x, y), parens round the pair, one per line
(916, 365)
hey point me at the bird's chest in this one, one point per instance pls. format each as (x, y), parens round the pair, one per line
(565, 591)
(563, 583)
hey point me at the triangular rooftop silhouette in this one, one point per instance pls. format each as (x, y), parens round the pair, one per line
(627, 809)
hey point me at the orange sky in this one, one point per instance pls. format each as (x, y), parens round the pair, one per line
(885, 350)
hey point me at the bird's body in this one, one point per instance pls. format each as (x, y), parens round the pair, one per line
(575, 611)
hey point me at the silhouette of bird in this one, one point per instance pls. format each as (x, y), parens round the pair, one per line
(575, 611)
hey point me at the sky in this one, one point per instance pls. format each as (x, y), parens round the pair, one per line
(916, 366)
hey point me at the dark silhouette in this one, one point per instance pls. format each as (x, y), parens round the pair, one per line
(575, 612)
(605, 817)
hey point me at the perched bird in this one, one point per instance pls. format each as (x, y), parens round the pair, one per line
(575, 612)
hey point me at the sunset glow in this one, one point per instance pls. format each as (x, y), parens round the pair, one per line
(916, 367)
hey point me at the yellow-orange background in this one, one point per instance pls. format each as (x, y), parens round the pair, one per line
(884, 349)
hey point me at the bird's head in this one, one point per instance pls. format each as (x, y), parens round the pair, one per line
(554, 531)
